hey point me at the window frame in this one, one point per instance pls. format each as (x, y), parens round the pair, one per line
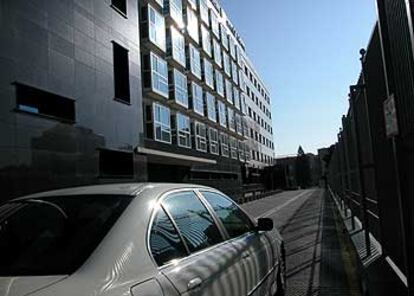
(224, 145)
(192, 24)
(206, 40)
(162, 125)
(221, 109)
(195, 63)
(177, 46)
(218, 58)
(233, 144)
(219, 82)
(181, 133)
(211, 107)
(214, 143)
(182, 90)
(154, 58)
(208, 75)
(161, 43)
(197, 102)
(200, 138)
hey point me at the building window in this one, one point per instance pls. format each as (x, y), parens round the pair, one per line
(203, 10)
(177, 46)
(231, 118)
(175, 8)
(219, 83)
(213, 141)
(36, 101)
(192, 24)
(156, 27)
(226, 62)
(243, 103)
(235, 72)
(162, 123)
(214, 24)
(180, 88)
(245, 128)
(247, 153)
(233, 148)
(197, 96)
(121, 73)
(242, 83)
(195, 62)
(116, 164)
(224, 144)
(208, 73)
(224, 38)
(200, 132)
(206, 40)
(229, 91)
(232, 47)
(239, 56)
(241, 151)
(217, 53)
(183, 131)
(120, 5)
(222, 113)
(239, 125)
(211, 107)
(159, 75)
(236, 96)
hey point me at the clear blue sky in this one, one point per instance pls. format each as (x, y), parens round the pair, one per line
(306, 52)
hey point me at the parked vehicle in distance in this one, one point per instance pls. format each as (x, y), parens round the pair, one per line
(137, 239)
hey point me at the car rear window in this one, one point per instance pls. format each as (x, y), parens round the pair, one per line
(54, 235)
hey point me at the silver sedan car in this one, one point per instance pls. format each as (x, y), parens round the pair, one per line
(136, 240)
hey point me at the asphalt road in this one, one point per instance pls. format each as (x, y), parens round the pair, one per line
(318, 259)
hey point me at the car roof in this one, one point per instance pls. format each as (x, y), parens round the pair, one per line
(131, 189)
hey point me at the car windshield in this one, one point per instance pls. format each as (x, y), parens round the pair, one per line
(54, 235)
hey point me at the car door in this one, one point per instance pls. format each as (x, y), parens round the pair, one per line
(254, 248)
(208, 267)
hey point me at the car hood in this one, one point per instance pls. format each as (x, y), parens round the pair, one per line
(20, 286)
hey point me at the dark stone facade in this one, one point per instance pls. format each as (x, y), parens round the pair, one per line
(64, 48)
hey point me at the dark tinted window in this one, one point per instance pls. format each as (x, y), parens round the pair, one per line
(37, 101)
(193, 220)
(116, 164)
(121, 73)
(54, 235)
(234, 220)
(165, 242)
(121, 5)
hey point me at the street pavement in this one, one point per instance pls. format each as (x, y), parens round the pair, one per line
(319, 258)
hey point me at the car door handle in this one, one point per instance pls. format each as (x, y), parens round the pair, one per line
(194, 283)
(245, 255)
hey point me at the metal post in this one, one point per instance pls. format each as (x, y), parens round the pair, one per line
(352, 98)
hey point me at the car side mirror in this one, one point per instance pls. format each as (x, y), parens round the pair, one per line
(264, 224)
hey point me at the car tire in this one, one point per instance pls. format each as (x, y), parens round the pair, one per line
(281, 276)
(281, 286)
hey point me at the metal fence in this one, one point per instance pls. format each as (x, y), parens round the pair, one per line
(364, 169)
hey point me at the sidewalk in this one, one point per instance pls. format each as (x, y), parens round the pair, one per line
(378, 277)
(320, 261)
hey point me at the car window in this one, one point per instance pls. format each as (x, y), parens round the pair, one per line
(234, 220)
(54, 235)
(165, 242)
(193, 220)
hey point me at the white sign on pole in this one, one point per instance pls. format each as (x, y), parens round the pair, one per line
(390, 113)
